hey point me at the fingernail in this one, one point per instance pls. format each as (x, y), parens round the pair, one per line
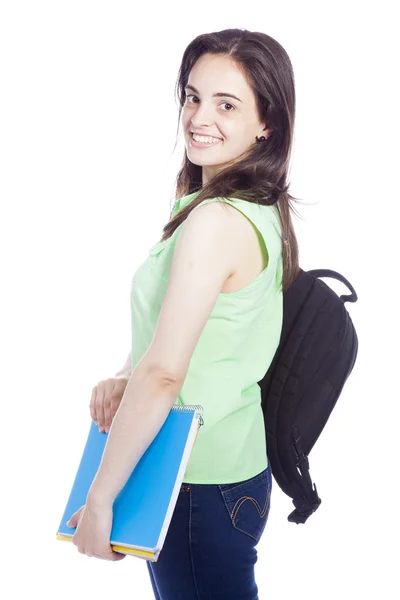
(101, 429)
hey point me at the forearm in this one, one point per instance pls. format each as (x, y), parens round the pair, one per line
(144, 408)
(126, 370)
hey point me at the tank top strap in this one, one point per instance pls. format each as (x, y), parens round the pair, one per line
(182, 202)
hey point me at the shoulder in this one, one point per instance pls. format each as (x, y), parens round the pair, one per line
(211, 234)
(219, 215)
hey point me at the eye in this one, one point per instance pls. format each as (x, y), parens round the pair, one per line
(222, 104)
(228, 104)
(190, 96)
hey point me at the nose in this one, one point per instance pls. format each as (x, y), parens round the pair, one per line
(203, 117)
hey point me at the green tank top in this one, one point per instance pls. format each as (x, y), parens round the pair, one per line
(233, 353)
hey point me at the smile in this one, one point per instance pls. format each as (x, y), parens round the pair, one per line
(199, 141)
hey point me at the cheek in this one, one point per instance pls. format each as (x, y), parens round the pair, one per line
(236, 138)
(234, 129)
(185, 115)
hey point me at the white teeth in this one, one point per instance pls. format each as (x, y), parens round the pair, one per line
(205, 140)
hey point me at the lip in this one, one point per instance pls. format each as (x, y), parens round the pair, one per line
(201, 145)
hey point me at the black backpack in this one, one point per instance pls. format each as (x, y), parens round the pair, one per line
(316, 354)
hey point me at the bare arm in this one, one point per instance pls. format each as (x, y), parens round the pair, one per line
(126, 370)
(157, 379)
(145, 406)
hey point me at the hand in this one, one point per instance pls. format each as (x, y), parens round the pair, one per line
(93, 530)
(105, 401)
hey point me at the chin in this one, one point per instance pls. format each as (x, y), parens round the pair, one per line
(196, 162)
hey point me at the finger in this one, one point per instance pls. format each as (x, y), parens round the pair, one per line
(107, 410)
(96, 402)
(112, 397)
(114, 556)
(74, 520)
(107, 555)
(115, 402)
(100, 404)
(92, 405)
(116, 398)
(121, 385)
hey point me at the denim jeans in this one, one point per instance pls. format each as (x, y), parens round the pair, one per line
(209, 552)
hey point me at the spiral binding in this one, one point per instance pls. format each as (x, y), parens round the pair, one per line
(197, 407)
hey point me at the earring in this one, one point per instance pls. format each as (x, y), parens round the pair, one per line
(261, 139)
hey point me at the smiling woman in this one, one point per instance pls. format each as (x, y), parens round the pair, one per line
(207, 304)
(206, 316)
(209, 113)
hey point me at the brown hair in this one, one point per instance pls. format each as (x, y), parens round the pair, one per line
(260, 176)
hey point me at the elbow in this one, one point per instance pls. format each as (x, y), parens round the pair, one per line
(160, 376)
(170, 380)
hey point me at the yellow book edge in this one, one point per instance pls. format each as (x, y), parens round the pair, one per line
(123, 549)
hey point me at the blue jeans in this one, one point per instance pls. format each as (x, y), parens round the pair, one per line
(209, 552)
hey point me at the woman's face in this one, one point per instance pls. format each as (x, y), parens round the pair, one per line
(233, 121)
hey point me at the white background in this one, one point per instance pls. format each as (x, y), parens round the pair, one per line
(88, 121)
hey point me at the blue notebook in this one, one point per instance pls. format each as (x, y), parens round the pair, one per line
(143, 509)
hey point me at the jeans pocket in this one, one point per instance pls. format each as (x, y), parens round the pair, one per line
(248, 503)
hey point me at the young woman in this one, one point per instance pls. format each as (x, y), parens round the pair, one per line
(206, 321)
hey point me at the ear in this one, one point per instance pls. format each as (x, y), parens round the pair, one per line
(266, 132)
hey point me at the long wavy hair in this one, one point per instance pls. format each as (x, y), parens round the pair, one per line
(259, 175)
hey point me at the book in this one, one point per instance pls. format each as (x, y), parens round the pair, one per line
(143, 509)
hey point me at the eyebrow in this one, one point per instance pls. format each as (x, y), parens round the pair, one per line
(191, 87)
